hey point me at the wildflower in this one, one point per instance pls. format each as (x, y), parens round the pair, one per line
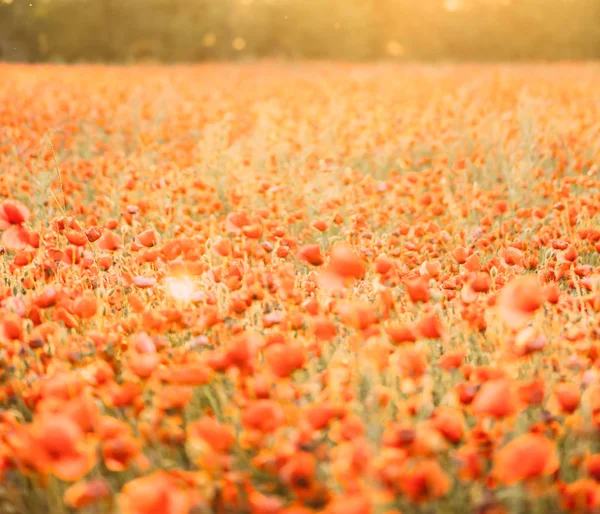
(147, 238)
(345, 263)
(84, 494)
(402, 333)
(219, 436)
(12, 216)
(583, 495)
(450, 423)
(56, 445)
(158, 492)
(299, 472)
(527, 456)
(496, 398)
(284, 359)
(424, 481)
(352, 504)
(418, 290)
(519, 300)
(592, 466)
(311, 253)
(567, 396)
(263, 415)
(13, 213)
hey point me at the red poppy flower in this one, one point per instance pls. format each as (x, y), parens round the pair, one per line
(159, 492)
(527, 456)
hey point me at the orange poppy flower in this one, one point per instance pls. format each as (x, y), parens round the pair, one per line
(119, 451)
(519, 300)
(402, 333)
(424, 481)
(143, 365)
(320, 415)
(532, 392)
(345, 263)
(592, 466)
(383, 264)
(93, 233)
(481, 283)
(449, 422)
(471, 464)
(104, 261)
(188, 373)
(159, 492)
(431, 327)
(147, 238)
(418, 289)
(252, 231)
(81, 409)
(320, 224)
(173, 397)
(412, 363)
(357, 314)
(85, 306)
(76, 238)
(452, 360)
(567, 395)
(263, 504)
(496, 398)
(323, 328)
(460, 254)
(11, 327)
(351, 504)
(16, 238)
(583, 495)
(110, 241)
(299, 472)
(84, 494)
(13, 212)
(121, 395)
(263, 415)
(351, 428)
(310, 253)
(110, 428)
(220, 437)
(527, 456)
(60, 448)
(235, 221)
(284, 359)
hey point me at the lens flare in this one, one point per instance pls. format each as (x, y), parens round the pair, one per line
(180, 288)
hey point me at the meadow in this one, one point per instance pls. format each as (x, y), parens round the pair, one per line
(300, 288)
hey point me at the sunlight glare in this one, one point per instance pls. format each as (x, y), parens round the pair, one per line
(239, 43)
(180, 288)
(453, 5)
(395, 49)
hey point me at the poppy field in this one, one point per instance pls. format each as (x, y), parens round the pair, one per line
(300, 288)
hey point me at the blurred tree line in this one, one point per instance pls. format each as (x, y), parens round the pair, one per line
(193, 30)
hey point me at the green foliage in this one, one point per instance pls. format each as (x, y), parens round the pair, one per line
(195, 30)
